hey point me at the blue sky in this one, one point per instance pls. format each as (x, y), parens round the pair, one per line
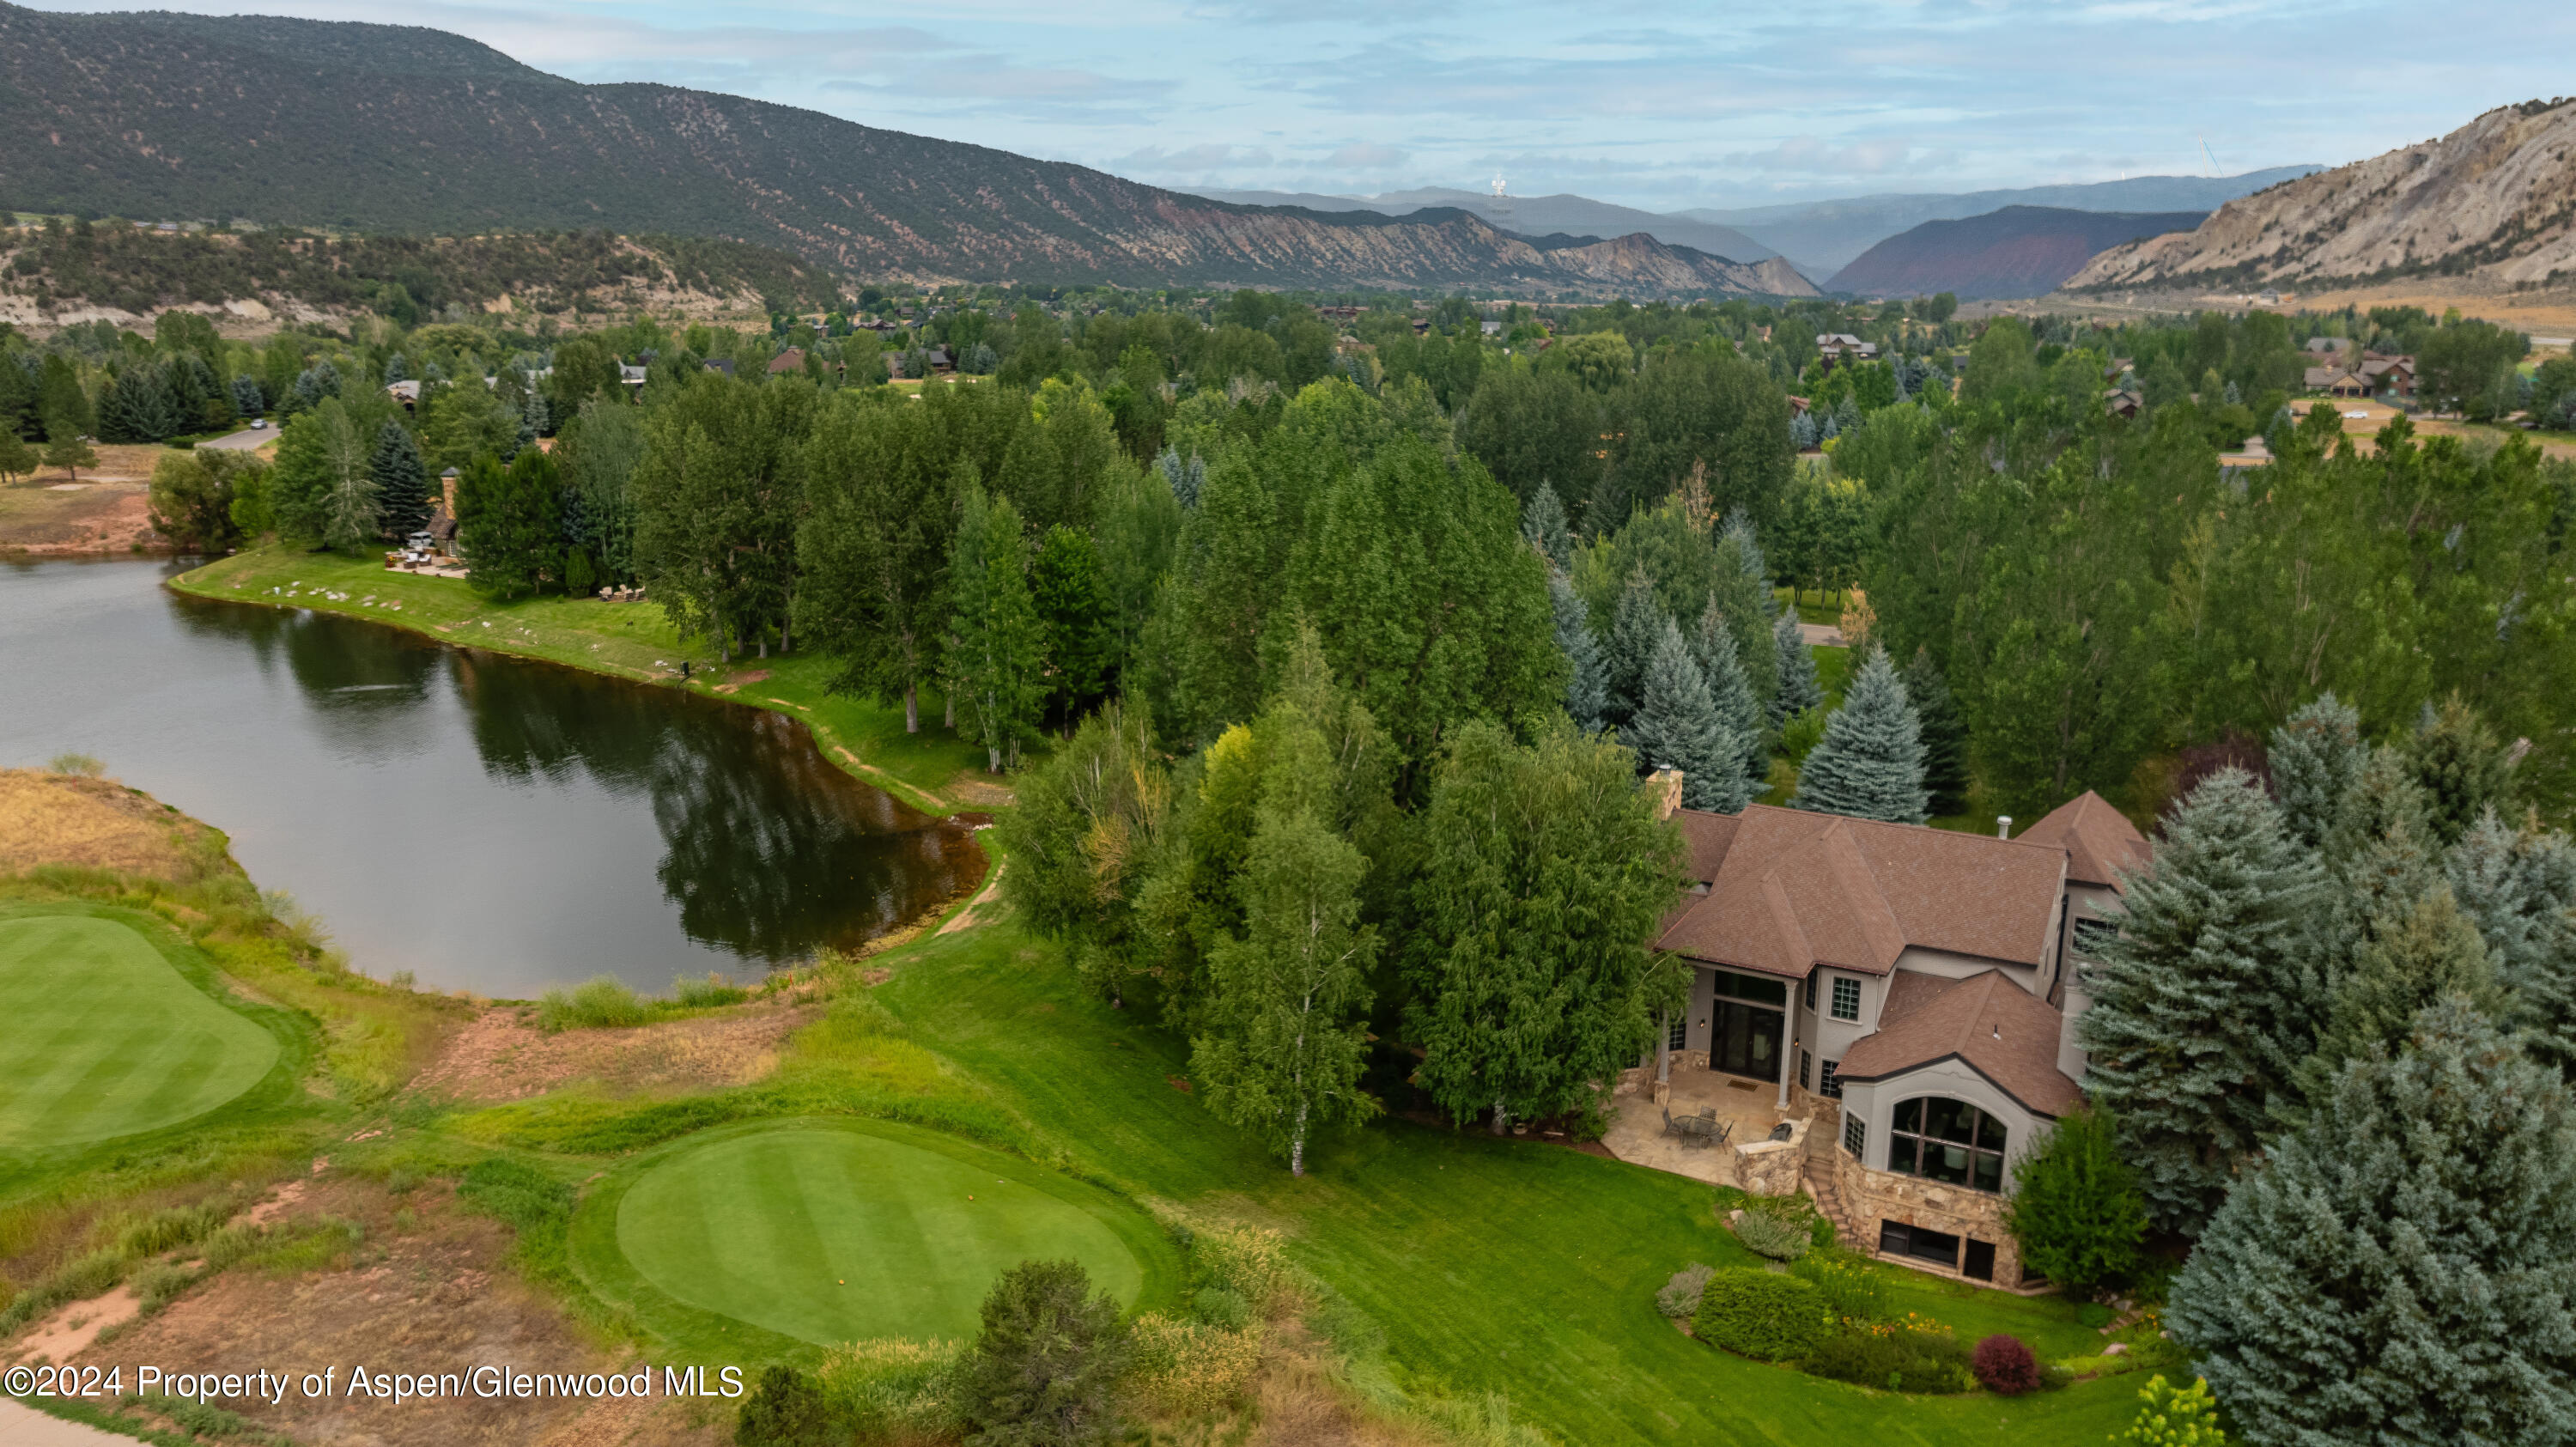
(1663, 106)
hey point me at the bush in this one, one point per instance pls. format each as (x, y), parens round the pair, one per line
(1223, 1307)
(1680, 1297)
(1043, 1365)
(785, 1409)
(890, 1389)
(84, 766)
(2004, 1365)
(715, 989)
(1854, 1290)
(1767, 1235)
(1251, 1262)
(1185, 1368)
(1899, 1358)
(1761, 1314)
(2093, 1316)
(2171, 1418)
(2076, 1208)
(602, 1002)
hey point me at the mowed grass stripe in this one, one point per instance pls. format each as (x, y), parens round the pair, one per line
(827, 1235)
(106, 1039)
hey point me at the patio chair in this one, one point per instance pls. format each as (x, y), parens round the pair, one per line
(1670, 1126)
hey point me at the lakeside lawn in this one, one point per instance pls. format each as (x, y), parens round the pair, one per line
(932, 770)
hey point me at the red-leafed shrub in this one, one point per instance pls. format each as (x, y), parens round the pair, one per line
(2004, 1365)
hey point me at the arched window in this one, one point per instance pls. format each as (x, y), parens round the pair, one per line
(1941, 1139)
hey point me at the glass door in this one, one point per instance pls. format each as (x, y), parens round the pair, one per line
(1745, 1040)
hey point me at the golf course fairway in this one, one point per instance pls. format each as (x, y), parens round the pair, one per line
(831, 1230)
(105, 1038)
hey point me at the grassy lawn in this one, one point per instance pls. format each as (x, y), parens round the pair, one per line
(932, 770)
(823, 1231)
(106, 1038)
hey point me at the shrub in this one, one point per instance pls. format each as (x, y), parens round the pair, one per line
(891, 1389)
(2171, 1418)
(1680, 1297)
(1185, 1368)
(2076, 1208)
(84, 766)
(1043, 1365)
(1854, 1290)
(1223, 1307)
(2004, 1365)
(602, 1002)
(1767, 1235)
(1761, 1314)
(1899, 1358)
(785, 1409)
(715, 989)
(2093, 1316)
(1251, 1262)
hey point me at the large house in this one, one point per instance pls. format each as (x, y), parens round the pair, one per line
(1907, 989)
(2394, 376)
(1833, 347)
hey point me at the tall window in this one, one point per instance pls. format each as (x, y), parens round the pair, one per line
(1941, 1139)
(1680, 1032)
(1826, 1083)
(1811, 990)
(1855, 1135)
(1846, 999)
(1804, 1060)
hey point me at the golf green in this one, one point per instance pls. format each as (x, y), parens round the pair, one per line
(105, 1038)
(830, 1231)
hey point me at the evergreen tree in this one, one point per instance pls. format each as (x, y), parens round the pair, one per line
(1044, 1369)
(1286, 1028)
(2171, 1416)
(17, 459)
(1945, 736)
(2520, 888)
(1870, 763)
(2461, 766)
(2403, 1267)
(1634, 631)
(2200, 1011)
(1546, 871)
(1184, 478)
(1799, 690)
(1586, 691)
(2426, 952)
(136, 407)
(70, 453)
(785, 1409)
(509, 522)
(1739, 712)
(1677, 727)
(1080, 644)
(2075, 1206)
(2316, 758)
(1748, 550)
(402, 483)
(995, 641)
(248, 399)
(61, 402)
(1543, 523)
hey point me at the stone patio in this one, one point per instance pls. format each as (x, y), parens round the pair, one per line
(1636, 1133)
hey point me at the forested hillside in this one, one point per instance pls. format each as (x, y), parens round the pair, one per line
(2015, 252)
(159, 116)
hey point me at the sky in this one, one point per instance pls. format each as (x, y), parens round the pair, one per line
(1664, 106)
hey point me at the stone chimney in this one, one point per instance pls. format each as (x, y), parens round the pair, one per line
(1667, 787)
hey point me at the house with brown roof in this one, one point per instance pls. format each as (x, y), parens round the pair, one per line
(2394, 376)
(2335, 382)
(1905, 990)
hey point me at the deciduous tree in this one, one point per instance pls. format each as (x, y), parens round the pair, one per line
(995, 643)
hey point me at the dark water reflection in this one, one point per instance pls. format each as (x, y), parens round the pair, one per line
(488, 823)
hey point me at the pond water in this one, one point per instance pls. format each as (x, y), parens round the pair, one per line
(487, 823)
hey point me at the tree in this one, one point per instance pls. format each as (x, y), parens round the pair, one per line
(598, 451)
(323, 495)
(716, 497)
(1043, 1370)
(509, 521)
(137, 406)
(1533, 975)
(1543, 523)
(2201, 1012)
(71, 453)
(17, 459)
(873, 547)
(1080, 649)
(2174, 1417)
(1083, 837)
(464, 421)
(192, 498)
(2315, 759)
(2403, 1267)
(1285, 1037)
(402, 483)
(785, 1409)
(995, 642)
(1587, 695)
(2520, 888)
(2461, 766)
(1945, 737)
(1870, 763)
(1634, 631)
(2075, 1205)
(1677, 727)
(1739, 717)
(2429, 952)
(1799, 690)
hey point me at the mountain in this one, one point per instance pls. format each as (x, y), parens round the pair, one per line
(2494, 200)
(2017, 251)
(398, 129)
(1574, 215)
(1824, 236)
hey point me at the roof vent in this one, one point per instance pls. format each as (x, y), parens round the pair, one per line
(2003, 826)
(1999, 1030)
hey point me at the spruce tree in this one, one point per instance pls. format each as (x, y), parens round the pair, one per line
(2200, 1012)
(1543, 523)
(1945, 736)
(2520, 888)
(136, 407)
(1757, 569)
(1044, 1369)
(402, 482)
(2402, 1268)
(1586, 691)
(1870, 763)
(1739, 713)
(1677, 727)
(2425, 952)
(2315, 759)
(1634, 630)
(1799, 690)
(2461, 765)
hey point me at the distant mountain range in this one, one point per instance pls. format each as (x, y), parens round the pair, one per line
(1822, 237)
(2017, 251)
(2493, 202)
(397, 129)
(1529, 215)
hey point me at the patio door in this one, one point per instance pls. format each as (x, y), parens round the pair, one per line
(1745, 1040)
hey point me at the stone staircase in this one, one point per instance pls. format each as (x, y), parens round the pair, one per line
(1829, 1201)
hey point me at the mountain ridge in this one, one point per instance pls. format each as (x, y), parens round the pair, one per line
(2018, 251)
(1577, 215)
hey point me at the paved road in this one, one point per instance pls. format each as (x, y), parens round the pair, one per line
(241, 441)
(24, 1426)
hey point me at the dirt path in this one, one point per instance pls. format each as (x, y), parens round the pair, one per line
(966, 918)
(502, 1055)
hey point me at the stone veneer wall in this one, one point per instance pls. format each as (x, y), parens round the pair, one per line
(1870, 1197)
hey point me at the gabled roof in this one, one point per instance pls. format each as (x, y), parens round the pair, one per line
(1790, 890)
(790, 360)
(2099, 840)
(1997, 1028)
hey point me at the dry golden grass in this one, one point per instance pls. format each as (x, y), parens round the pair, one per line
(48, 818)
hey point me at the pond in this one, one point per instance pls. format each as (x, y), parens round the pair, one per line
(487, 823)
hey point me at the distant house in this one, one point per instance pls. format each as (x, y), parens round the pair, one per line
(719, 364)
(2120, 367)
(2333, 347)
(941, 361)
(407, 392)
(791, 360)
(630, 374)
(1838, 347)
(1422, 326)
(2121, 402)
(2393, 376)
(2335, 382)
(1491, 327)
(1799, 406)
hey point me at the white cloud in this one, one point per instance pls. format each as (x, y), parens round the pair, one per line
(1367, 156)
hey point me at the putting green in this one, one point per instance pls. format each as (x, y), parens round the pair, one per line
(105, 1038)
(833, 1231)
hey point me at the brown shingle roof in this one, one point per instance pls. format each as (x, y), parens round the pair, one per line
(1706, 836)
(2099, 840)
(1790, 890)
(1999, 1029)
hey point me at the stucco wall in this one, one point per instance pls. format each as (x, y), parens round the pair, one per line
(1875, 1103)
